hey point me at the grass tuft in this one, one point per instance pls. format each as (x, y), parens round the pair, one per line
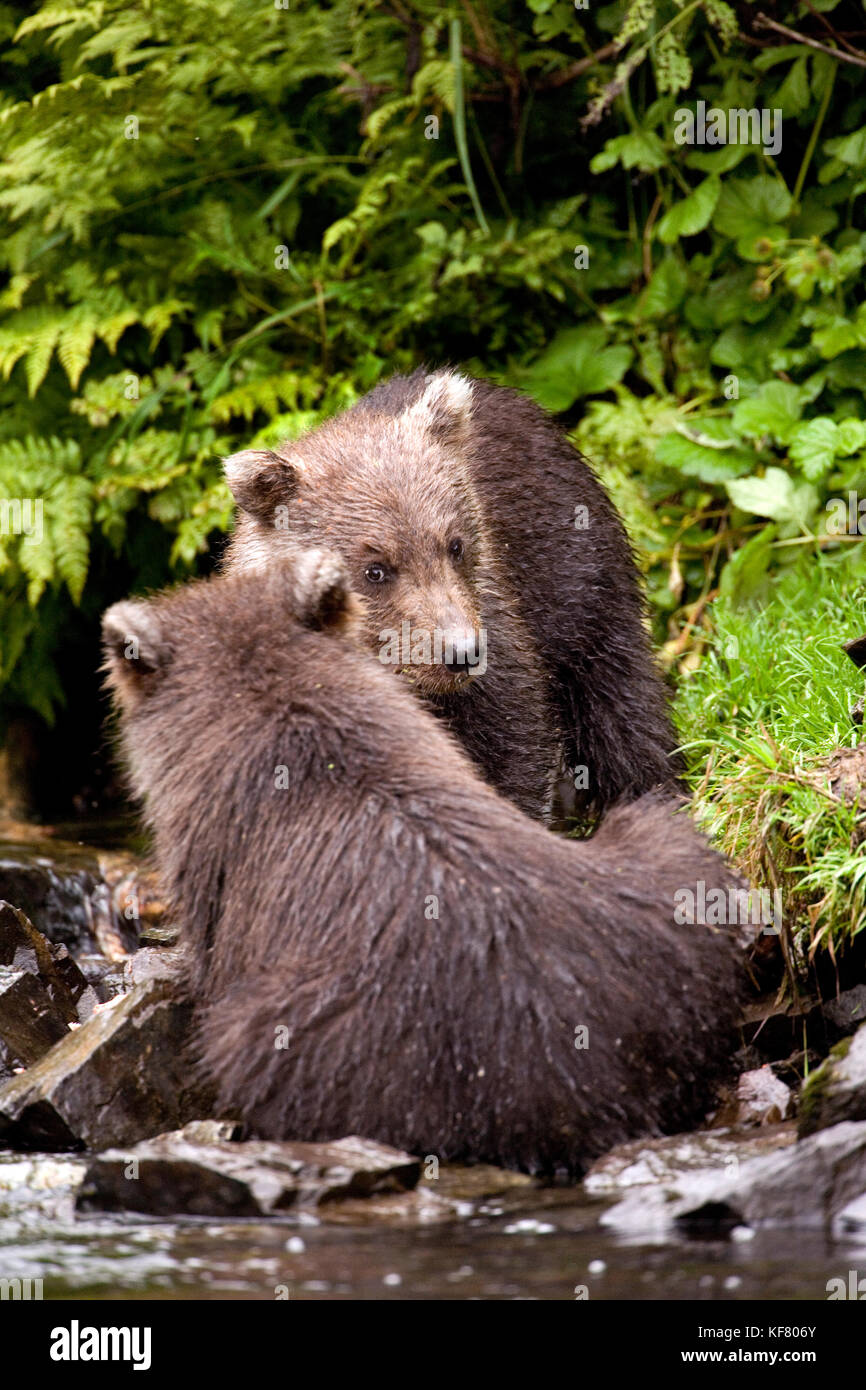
(774, 761)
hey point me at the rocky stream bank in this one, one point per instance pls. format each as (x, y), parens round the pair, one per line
(117, 1179)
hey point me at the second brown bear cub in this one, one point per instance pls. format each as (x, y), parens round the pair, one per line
(381, 944)
(462, 511)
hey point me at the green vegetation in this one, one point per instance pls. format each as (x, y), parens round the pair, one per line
(768, 704)
(223, 220)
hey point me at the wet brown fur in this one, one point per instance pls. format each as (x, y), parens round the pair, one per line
(570, 671)
(309, 907)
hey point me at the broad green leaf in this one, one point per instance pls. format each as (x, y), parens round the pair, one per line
(838, 336)
(751, 211)
(665, 291)
(850, 437)
(794, 96)
(850, 149)
(577, 363)
(813, 446)
(771, 57)
(693, 213)
(776, 495)
(719, 161)
(640, 149)
(774, 410)
(705, 461)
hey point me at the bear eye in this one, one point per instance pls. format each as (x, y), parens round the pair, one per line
(455, 548)
(377, 574)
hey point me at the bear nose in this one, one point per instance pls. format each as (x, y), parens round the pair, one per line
(461, 653)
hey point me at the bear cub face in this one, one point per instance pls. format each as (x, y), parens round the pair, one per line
(398, 505)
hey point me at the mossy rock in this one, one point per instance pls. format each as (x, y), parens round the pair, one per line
(837, 1090)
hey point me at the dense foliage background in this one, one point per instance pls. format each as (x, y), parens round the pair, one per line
(225, 219)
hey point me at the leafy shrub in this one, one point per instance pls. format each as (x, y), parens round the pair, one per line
(222, 222)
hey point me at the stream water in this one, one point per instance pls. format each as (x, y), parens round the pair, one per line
(528, 1243)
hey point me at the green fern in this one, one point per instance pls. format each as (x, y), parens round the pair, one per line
(151, 323)
(45, 473)
(75, 344)
(37, 563)
(68, 508)
(257, 394)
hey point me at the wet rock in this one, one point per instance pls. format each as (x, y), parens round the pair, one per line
(105, 977)
(664, 1163)
(61, 889)
(760, 1099)
(446, 1194)
(806, 1185)
(24, 948)
(42, 992)
(844, 1015)
(171, 1176)
(162, 935)
(212, 1132)
(851, 1220)
(110, 979)
(154, 963)
(148, 963)
(30, 1023)
(837, 1090)
(802, 1185)
(121, 1077)
(33, 1183)
(478, 1182)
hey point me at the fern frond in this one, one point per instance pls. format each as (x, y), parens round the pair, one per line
(42, 344)
(158, 318)
(36, 559)
(67, 509)
(260, 393)
(75, 344)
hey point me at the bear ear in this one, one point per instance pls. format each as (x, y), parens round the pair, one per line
(322, 596)
(260, 481)
(444, 409)
(134, 643)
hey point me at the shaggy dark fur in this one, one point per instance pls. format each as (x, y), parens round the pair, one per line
(429, 457)
(430, 950)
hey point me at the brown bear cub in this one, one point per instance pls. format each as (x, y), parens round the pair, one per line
(383, 945)
(498, 578)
